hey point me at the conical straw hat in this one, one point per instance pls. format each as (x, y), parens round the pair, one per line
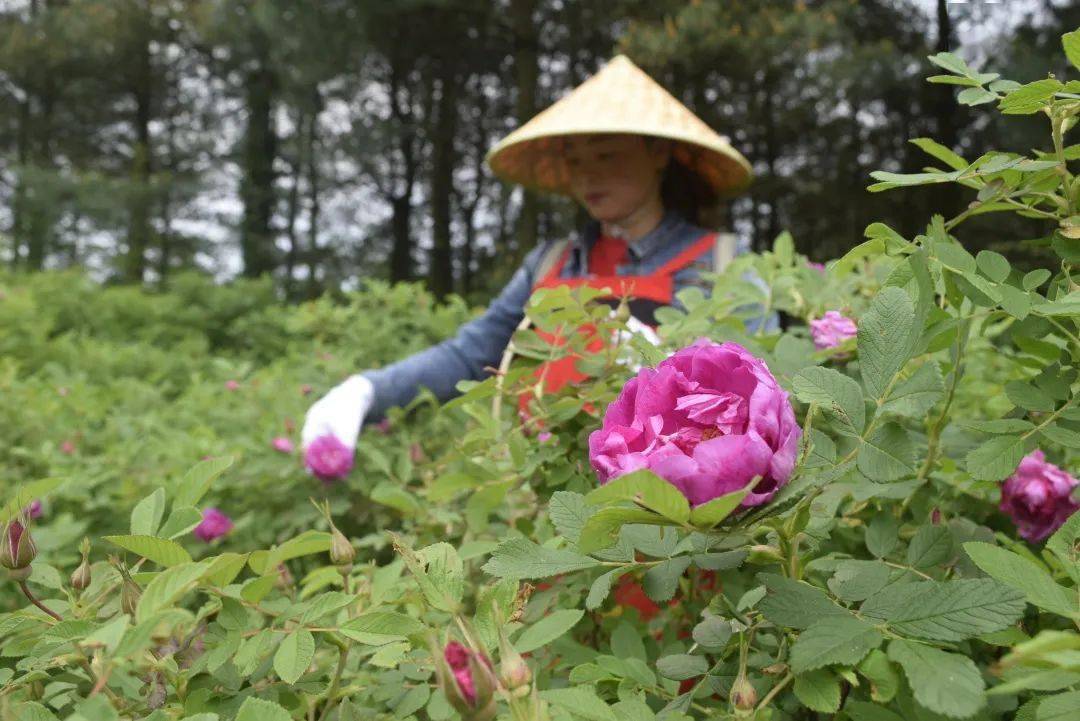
(620, 98)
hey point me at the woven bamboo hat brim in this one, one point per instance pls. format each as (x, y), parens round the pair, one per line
(620, 98)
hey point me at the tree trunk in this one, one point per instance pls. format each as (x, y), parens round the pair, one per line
(401, 260)
(313, 196)
(526, 71)
(442, 182)
(138, 235)
(257, 184)
(293, 208)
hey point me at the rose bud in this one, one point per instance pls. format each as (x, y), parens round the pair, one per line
(80, 577)
(130, 593)
(514, 672)
(342, 552)
(215, 524)
(282, 444)
(17, 549)
(709, 419)
(1038, 497)
(329, 458)
(743, 695)
(467, 682)
(832, 330)
(34, 509)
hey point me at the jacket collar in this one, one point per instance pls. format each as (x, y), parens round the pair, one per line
(664, 232)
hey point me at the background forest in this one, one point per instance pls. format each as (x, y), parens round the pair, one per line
(334, 141)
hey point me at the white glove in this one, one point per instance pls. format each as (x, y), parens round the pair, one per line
(340, 412)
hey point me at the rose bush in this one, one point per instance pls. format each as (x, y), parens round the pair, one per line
(900, 569)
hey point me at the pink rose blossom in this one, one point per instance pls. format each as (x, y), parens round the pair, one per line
(708, 419)
(34, 509)
(283, 444)
(457, 658)
(383, 426)
(232, 385)
(67, 447)
(832, 330)
(215, 524)
(416, 453)
(305, 390)
(329, 458)
(1038, 497)
(543, 436)
(819, 267)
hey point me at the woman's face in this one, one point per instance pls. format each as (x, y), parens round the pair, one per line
(614, 175)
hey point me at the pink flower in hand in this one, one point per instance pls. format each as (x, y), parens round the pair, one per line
(832, 330)
(1038, 497)
(215, 524)
(283, 444)
(708, 419)
(329, 458)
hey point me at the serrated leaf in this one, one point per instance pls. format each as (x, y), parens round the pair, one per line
(602, 528)
(1028, 396)
(646, 489)
(858, 580)
(947, 683)
(1029, 98)
(520, 558)
(864, 711)
(884, 339)
(936, 149)
(198, 480)
(713, 632)
(159, 550)
(881, 535)
(794, 604)
(661, 581)
(918, 394)
(147, 514)
(1065, 544)
(833, 392)
(581, 701)
(930, 546)
(224, 569)
(1018, 572)
(818, 690)
(388, 625)
(294, 655)
(681, 666)
(833, 640)
(946, 611)
(997, 458)
(305, 544)
(547, 629)
(883, 676)
(887, 455)
(993, 265)
(1061, 706)
(256, 709)
(601, 588)
(711, 513)
(1071, 44)
(568, 511)
(181, 520)
(1061, 436)
(168, 586)
(25, 494)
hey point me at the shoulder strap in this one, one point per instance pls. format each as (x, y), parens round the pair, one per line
(550, 258)
(724, 251)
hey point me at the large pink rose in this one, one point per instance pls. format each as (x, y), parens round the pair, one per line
(832, 329)
(1038, 497)
(708, 419)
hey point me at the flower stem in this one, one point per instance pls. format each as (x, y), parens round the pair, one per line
(36, 602)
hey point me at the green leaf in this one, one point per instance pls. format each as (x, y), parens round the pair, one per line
(547, 629)
(647, 490)
(294, 655)
(1029, 98)
(1061, 436)
(520, 558)
(818, 690)
(864, 711)
(711, 513)
(952, 63)
(858, 580)
(198, 481)
(998, 458)
(32, 711)
(794, 604)
(256, 709)
(939, 151)
(159, 550)
(681, 666)
(930, 546)
(1036, 278)
(387, 625)
(438, 570)
(601, 588)
(946, 611)
(975, 96)
(569, 512)
(581, 701)
(915, 396)
(1065, 544)
(885, 338)
(305, 544)
(661, 581)
(833, 640)
(224, 569)
(887, 455)
(1061, 706)
(413, 700)
(1071, 43)
(1000, 425)
(834, 392)
(146, 516)
(181, 520)
(393, 495)
(955, 257)
(1028, 396)
(882, 534)
(1020, 573)
(167, 587)
(947, 683)
(713, 632)
(25, 494)
(993, 265)
(884, 677)
(602, 528)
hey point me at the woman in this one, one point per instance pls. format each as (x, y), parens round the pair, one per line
(642, 165)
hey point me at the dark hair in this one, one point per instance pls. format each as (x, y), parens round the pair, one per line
(685, 192)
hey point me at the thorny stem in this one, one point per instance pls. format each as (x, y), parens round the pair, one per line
(773, 692)
(36, 602)
(343, 656)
